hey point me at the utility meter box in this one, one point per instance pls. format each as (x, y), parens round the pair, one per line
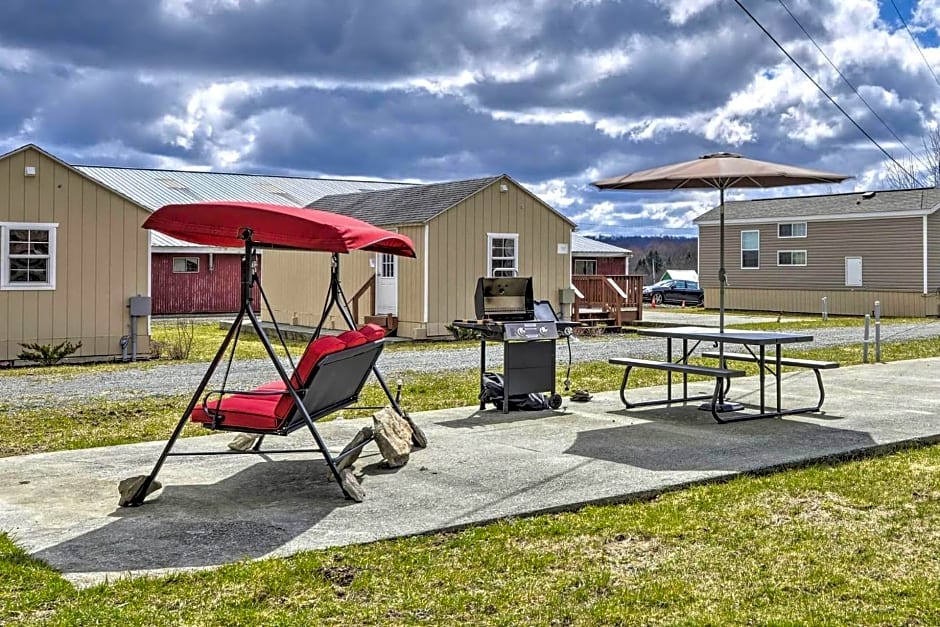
(140, 305)
(566, 296)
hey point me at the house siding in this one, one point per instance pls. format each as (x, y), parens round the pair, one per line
(205, 292)
(411, 285)
(101, 260)
(458, 249)
(893, 265)
(838, 302)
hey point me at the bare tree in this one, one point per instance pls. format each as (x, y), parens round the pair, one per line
(920, 171)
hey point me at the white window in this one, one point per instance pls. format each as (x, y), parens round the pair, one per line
(502, 254)
(585, 266)
(791, 229)
(185, 265)
(791, 257)
(853, 271)
(750, 249)
(27, 256)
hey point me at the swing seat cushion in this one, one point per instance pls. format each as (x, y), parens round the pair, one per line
(264, 409)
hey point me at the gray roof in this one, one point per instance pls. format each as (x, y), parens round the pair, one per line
(154, 188)
(586, 245)
(405, 205)
(835, 206)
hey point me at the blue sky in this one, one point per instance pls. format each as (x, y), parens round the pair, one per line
(555, 93)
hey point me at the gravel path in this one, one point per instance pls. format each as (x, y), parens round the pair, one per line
(171, 379)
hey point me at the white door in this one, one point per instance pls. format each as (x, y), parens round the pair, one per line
(386, 284)
(853, 271)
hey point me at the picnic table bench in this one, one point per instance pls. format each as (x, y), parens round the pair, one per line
(771, 363)
(721, 375)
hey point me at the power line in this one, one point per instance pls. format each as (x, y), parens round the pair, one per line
(846, 80)
(916, 45)
(825, 93)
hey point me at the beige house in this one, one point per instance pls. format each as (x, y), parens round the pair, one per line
(461, 230)
(72, 254)
(788, 254)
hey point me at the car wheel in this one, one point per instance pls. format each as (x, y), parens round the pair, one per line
(658, 298)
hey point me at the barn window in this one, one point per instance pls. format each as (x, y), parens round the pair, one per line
(585, 266)
(502, 254)
(28, 256)
(791, 257)
(185, 265)
(791, 229)
(750, 249)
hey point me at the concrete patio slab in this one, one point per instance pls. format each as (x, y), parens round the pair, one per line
(480, 466)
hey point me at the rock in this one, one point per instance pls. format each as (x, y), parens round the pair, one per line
(417, 435)
(364, 435)
(127, 488)
(243, 442)
(351, 485)
(393, 435)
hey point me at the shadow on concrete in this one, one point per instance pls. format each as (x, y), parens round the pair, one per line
(693, 443)
(246, 515)
(487, 417)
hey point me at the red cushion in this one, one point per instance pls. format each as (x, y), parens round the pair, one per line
(242, 410)
(372, 332)
(267, 412)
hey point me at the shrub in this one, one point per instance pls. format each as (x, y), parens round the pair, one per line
(462, 334)
(180, 342)
(47, 354)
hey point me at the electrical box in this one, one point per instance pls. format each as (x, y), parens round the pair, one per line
(566, 296)
(140, 305)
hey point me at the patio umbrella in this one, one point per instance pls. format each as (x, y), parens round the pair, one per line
(720, 171)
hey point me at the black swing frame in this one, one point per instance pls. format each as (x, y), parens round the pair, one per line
(301, 416)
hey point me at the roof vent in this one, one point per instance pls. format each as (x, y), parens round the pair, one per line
(868, 195)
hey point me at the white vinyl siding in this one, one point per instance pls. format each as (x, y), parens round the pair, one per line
(750, 250)
(791, 229)
(27, 256)
(502, 254)
(791, 257)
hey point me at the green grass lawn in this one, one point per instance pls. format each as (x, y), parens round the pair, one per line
(831, 544)
(852, 543)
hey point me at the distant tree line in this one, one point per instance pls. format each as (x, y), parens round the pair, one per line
(654, 255)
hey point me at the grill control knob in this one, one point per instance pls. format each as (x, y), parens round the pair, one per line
(543, 330)
(520, 331)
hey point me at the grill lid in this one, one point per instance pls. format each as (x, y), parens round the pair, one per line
(504, 298)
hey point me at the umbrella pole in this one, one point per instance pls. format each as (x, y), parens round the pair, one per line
(721, 265)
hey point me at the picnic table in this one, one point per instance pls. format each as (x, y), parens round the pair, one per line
(755, 345)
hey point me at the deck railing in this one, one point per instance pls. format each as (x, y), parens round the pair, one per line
(619, 295)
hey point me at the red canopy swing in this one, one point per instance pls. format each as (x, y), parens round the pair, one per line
(330, 373)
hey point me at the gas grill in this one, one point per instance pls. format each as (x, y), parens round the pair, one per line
(507, 313)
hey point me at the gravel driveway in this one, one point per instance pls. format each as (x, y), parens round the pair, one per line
(43, 390)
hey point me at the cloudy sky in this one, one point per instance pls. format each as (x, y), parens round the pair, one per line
(555, 93)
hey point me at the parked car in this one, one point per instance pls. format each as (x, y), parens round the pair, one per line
(674, 291)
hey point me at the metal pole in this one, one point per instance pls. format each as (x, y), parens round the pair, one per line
(721, 271)
(865, 340)
(877, 331)
(825, 308)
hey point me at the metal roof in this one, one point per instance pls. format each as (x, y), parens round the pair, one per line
(405, 205)
(155, 188)
(586, 245)
(886, 203)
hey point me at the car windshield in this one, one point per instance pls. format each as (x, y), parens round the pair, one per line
(665, 283)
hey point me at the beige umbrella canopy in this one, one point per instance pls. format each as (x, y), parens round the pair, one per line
(719, 171)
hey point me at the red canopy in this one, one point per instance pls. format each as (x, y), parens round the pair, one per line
(222, 224)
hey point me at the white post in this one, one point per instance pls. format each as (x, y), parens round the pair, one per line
(825, 308)
(878, 331)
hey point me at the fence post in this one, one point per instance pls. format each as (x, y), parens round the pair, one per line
(825, 308)
(877, 331)
(865, 340)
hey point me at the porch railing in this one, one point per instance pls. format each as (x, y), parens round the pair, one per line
(368, 286)
(621, 296)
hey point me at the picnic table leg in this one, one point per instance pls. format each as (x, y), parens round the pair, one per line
(763, 377)
(777, 371)
(623, 387)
